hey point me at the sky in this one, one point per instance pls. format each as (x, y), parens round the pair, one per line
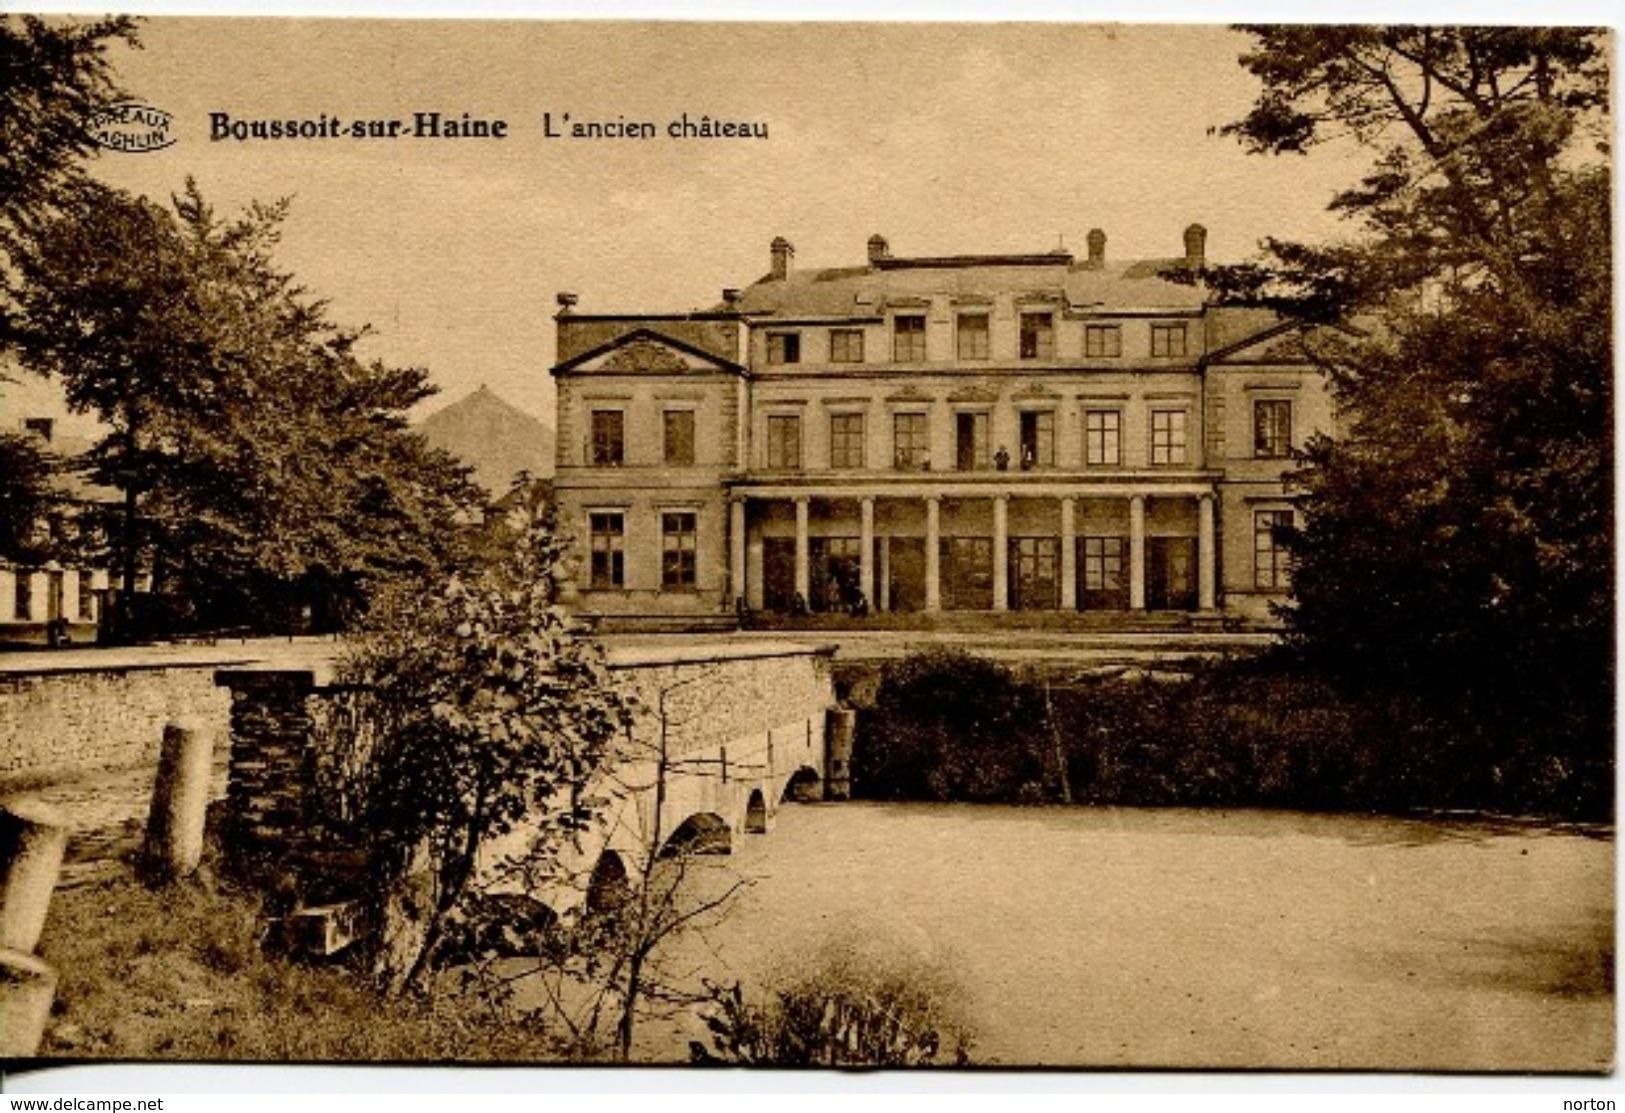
(945, 139)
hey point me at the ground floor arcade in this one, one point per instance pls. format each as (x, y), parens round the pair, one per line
(955, 550)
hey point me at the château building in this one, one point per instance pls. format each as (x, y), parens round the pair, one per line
(957, 433)
(48, 599)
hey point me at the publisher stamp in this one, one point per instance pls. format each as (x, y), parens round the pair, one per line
(131, 128)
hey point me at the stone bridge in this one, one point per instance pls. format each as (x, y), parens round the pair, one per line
(724, 734)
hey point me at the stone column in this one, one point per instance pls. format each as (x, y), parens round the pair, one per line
(33, 836)
(841, 727)
(1001, 553)
(933, 554)
(883, 567)
(803, 561)
(1069, 556)
(27, 986)
(1206, 557)
(1136, 552)
(736, 550)
(866, 552)
(180, 802)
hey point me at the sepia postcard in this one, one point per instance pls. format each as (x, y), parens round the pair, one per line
(812, 545)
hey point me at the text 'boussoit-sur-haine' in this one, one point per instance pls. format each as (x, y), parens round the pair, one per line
(437, 125)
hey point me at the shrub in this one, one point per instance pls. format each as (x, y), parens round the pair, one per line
(950, 726)
(1257, 732)
(848, 1009)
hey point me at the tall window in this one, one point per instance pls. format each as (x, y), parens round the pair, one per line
(1270, 558)
(680, 438)
(1168, 340)
(973, 336)
(846, 345)
(1104, 584)
(1038, 336)
(607, 534)
(970, 441)
(967, 573)
(908, 339)
(25, 594)
(784, 347)
(677, 549)
(833, 567)
(1037, 439)
(608, 438)
(846, 441)
(1102, 437)
(1168, 436)
(910, 440)
(1102, 341)
(87, 598)
(784, 441)
(1272, 429)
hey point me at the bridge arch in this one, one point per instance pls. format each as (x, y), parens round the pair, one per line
(804, 785)
(756, 813)
(700, 833)
(610, 884)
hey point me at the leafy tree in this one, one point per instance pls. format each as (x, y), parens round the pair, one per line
(489, 714)
(1457, 534)
(54, 75)
(25, 498)
(265, 465)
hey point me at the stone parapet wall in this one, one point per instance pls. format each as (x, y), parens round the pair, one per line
(59, 723)
(714, 694)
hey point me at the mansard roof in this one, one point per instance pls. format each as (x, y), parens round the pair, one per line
(866, 290)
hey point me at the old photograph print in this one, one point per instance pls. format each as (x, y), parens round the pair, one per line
(806, 545)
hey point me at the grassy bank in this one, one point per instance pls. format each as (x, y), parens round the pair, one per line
(180, 973)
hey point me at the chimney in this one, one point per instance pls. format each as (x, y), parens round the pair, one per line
(782, 253)
(567, 302)
(878, 248)
(730, 297)
(1195, 246)
(1097, 247)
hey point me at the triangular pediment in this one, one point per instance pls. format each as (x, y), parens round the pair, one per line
(1289, 343)
(646, 352)
(1036, 390)
(974, 393)
(910, 392)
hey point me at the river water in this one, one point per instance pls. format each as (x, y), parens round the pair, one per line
(1193, 938)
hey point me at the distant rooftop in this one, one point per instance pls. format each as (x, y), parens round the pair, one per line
(1131, 284)
(866, 290)
(1048, 258)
